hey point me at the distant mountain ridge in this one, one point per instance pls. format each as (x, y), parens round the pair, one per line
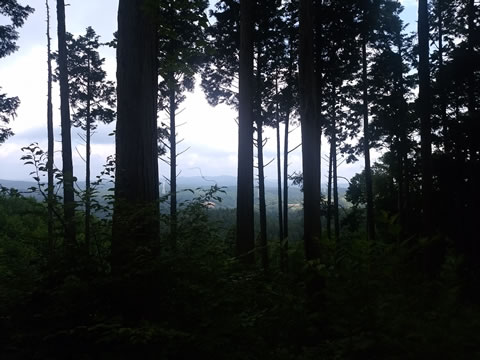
(182, 182)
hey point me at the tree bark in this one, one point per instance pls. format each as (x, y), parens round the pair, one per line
(68, 191)
(424, 112)
(329, 191)
(333, 154)
(261, 195)
(245, 241)
(50, 136)
(473, 162)
(441, 70)
(135, 217)
(87, 164)
(173, 167)
(336, 216)
(284, 249)
(279, 193)
(311, 133)
(366, 147)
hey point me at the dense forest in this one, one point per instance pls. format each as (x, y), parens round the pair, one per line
(110, 266)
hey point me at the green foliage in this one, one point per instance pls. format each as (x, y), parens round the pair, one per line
(92, 96)
(17, 14)
(371, 301)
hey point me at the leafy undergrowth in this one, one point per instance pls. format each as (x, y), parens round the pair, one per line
(359, 301)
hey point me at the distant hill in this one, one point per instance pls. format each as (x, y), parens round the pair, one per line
(196, 183)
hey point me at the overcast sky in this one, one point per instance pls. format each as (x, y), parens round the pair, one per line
(210, 132)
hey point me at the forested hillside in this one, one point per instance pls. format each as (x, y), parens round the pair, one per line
(133, 263)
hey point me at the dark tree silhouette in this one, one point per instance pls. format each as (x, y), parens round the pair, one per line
(67, 162)
(50, 135)
(424, 114)
(366, 136)
(245, 233)
(311, 132)
(182, 46)
(17, 14)
(92, 99)
(135, 218)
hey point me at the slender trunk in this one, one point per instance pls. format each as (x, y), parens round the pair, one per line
(333, 159)
(279, 179)
(443, 98)
(68, 191)
(135, 217)
(403, 150)
(424, 112)
(329, 191)
(336, 216)
(245, 241)
(400, 195)
(261, 195)
(311, 133)
(50, 153)
(279, 193)
(366, 147)
(173, 168)
(471, 101)
(284, 249)
(87, 165)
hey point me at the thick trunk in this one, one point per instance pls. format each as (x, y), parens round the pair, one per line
(366, 147)
(245, 241)
(261, 195)
(311, 133)
(50, 153)
(135, 218)
(173, 168)
(473, 162)
(68, 191)
(284, 250)
(424, 112)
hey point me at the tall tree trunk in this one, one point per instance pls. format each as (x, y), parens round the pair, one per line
(333, 154)
(441, 70)
(473, 163)
(279, 179)
(311, 133)
(336, 215)
(68, 191)
(403, 151)
(135, 217)
(51, 149)
(261, 194)
(173, 168)
(329, 190)
(87, 165)
(245, 241)
(279, 194)
(424, 112)
(366, 146)
(284, 250)
(471, 101)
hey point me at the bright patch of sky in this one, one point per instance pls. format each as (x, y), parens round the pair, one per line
(210, 133)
